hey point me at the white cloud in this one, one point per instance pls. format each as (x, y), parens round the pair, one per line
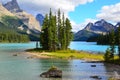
(43, 6)
(77, 27)
(110, 13)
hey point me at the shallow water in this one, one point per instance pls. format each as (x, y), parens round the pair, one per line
(21, 68)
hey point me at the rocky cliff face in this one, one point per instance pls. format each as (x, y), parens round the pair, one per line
(28, 19)
(4, 11)
(12, 6)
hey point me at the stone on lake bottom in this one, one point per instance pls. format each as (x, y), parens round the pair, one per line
(96, 77)
(93, 65)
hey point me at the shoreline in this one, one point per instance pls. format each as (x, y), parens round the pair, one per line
(73, 54)
(37, 55)
(68, 55)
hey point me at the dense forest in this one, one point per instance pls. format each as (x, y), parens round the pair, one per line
(9, 31)
(106, 38)
(13, 37)
(56, 32)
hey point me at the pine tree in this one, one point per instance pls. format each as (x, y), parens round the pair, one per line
(59, 26)
(118, 37)
(63, 32)
(107, 55)
(112, 45)
(44, 34)
(55, 39)
(50, 34)
(69, 35)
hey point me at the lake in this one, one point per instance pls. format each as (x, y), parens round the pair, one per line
(89, 46)
(21, 68)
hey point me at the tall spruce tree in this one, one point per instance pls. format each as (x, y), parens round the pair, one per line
(44, 34)
(69, 34)
(107, 55)
(50, 33)
(63, 32)
(112, 45)
(59, 26)
(54, 30)
(118, 37)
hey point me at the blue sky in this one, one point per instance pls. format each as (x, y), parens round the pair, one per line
(80, 12)
(89, 10)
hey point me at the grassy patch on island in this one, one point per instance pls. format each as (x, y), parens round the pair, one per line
(69, 54)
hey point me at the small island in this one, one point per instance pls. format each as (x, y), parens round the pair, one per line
(55, 38)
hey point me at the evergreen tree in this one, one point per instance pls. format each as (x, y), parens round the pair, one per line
(50, 35)
(118, 38)
(54, 31)
(112, 45)
(63, 32)
(69, 34)
(59, 26)
(44, 34)
(107, 55)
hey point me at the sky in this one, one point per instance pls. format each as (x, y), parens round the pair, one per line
(80, 12)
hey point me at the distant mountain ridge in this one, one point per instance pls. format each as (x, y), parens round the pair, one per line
(94, 29)
(40, 18)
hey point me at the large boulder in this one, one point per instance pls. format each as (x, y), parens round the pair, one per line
(53, 72)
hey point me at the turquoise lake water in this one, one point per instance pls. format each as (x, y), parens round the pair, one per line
(21, 68)
(89, 46)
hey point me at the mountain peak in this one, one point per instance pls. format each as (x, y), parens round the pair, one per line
(40, 18)
(14, 0)
(12, 6)
(88, 26)
(103, 20)
(100, 26)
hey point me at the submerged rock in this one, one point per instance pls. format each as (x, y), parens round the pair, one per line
(93, 65)
(53, 72)
(96, 77)
(30, 57)
(14, 54)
